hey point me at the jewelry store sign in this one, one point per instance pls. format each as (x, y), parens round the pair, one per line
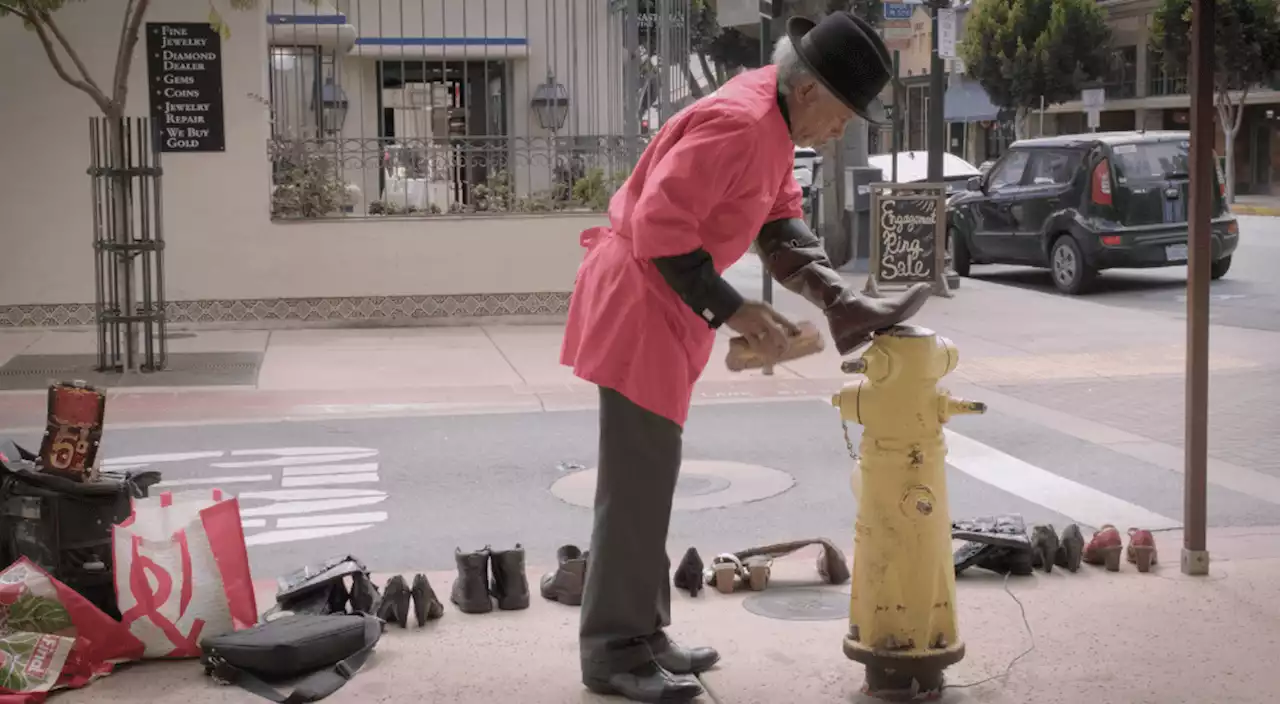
(184, 72)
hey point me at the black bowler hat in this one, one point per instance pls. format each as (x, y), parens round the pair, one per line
(846, 55)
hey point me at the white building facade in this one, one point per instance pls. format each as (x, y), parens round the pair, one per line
(391, 160)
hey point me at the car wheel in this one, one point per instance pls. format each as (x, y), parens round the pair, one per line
(959, 253)
(1072, 274)
(1219, 269)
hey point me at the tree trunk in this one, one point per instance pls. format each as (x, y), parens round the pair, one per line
(695, 88)
(120, 201)
(1020, 123)
(1230, 153)
(713, 79)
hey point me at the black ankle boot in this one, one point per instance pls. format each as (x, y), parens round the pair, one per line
(470, 591)
(689, 573)
(510, 584)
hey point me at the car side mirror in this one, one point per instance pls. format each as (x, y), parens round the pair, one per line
(974, 183)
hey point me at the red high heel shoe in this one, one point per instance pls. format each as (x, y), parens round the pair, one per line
(1104, 548)
(1142, 549)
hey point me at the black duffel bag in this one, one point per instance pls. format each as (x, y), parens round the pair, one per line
(326, 650)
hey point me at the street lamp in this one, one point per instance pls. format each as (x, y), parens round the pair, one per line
(551, 104)
(333, 107)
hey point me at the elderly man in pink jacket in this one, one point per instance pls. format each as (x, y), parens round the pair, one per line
(649, 297)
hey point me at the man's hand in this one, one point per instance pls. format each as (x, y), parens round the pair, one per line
(765, 329)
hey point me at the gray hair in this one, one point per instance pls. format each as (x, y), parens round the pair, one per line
(791, 70)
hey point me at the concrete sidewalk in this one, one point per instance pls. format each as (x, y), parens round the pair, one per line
(1005, 335)
(1093, 638)
(1256, 205)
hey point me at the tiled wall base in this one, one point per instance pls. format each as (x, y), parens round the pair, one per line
(364, 309)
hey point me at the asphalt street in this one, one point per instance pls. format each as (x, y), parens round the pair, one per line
(402, 493)
(1248, 296)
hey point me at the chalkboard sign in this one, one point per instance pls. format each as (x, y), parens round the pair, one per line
(184, 71)
(908, 243)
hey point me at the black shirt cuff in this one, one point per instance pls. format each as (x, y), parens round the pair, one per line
(694, 278)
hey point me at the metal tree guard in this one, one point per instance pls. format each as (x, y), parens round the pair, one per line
(128, 243)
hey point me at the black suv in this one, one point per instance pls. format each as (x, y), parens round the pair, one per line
(1078, 204)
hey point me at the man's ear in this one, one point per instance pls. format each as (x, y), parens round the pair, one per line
(806, 91)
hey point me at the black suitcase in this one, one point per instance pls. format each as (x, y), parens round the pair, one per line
(62, 525)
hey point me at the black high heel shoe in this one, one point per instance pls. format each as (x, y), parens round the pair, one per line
(1071, 549)
(426, 606)
(395, 602)
(688, 574)
(1044, 547)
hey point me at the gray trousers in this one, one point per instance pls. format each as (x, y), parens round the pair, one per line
(627, 600)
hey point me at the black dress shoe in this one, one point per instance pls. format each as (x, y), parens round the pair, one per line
(649, 682)
(680, 660)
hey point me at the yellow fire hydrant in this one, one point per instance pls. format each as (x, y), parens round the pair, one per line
(902, 617)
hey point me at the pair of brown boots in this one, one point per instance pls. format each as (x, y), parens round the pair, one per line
(475, 593)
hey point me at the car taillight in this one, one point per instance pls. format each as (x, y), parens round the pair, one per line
(1233, 228)
(1102, 183)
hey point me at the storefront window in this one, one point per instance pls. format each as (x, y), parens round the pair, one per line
(295, 78)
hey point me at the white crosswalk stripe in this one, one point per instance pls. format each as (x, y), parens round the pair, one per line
(313, 500)
(1077, 501)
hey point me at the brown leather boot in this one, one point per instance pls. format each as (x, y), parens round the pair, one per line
(568, 581)
(510, 586)
(854, 317)
(470, 591)
(793, 255)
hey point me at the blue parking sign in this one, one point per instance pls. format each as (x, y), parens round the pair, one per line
(897, 11)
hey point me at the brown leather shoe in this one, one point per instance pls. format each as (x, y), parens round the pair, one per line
(855, 317)
(566, 584)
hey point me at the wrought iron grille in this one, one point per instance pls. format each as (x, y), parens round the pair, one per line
(456, 107)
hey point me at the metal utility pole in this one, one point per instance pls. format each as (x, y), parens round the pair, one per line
(631, 79)
(768, 11)
(896, 118)
(937, 128)
(1195, 553)
(937, 119)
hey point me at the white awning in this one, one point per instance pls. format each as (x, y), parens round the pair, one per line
(318, 24)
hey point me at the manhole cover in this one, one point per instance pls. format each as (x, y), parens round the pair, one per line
(698, 485)
(799, 604)
(703, 484)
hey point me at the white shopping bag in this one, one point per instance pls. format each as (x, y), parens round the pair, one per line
(182, 571)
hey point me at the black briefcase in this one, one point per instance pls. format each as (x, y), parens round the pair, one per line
(325, 650)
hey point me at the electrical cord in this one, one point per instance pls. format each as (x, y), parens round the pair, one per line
(1026, 623)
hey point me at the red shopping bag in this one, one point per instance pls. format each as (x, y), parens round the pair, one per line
(182, 572)
(53, 638)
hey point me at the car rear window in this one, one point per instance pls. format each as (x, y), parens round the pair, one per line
(1148, 160)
